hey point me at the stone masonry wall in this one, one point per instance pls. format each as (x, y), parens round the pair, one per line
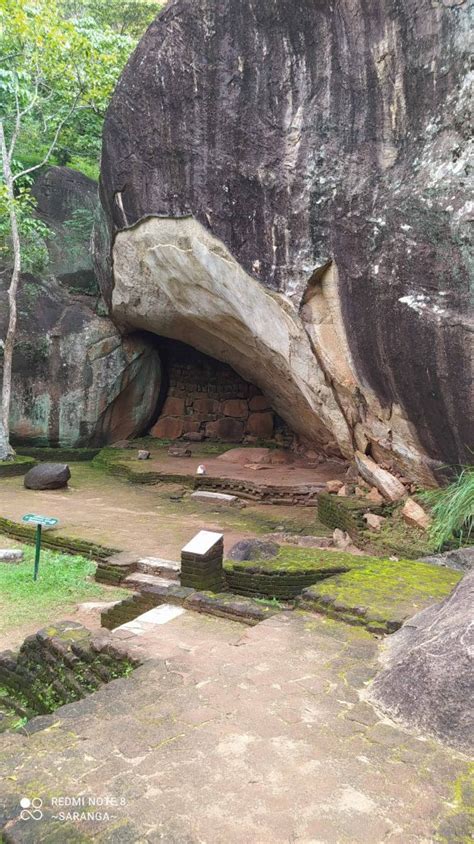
(207, 399)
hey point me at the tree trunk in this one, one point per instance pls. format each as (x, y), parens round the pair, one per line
(12, 290)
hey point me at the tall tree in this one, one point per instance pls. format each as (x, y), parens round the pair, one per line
(53, 68)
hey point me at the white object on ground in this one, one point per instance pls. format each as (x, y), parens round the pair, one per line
(202, 542)
(214, 496)
(201, 469)
(11, 555)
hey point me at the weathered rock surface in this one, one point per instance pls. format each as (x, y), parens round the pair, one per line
(76, 380)
(461, 559)
(296, 196)
(414, 515)
(48, 476)
(253, 549)
(428, 681)
(388, 485)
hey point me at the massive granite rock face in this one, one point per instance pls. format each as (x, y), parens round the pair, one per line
(428, 681)
(76, 380)
(285, 188)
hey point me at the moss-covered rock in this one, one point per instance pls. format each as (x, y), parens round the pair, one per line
(380, 594)
(19, 466)
(285, 576)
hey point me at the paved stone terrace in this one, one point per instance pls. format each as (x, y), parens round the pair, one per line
(227, 734)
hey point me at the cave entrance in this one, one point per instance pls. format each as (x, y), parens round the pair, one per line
(205, 399)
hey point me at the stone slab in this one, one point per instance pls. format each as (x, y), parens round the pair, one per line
(148, 620)
(218, 497)
(10, 555)
(203, 543)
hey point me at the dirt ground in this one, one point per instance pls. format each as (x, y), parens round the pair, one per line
(288, 469)
(102, 508)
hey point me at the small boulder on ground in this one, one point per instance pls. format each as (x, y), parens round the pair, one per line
(48, 476)
(344, 490)
(143, 454)
(373, 522)
(341, 539)
(374, 496)
(390, 487)
(414, 515)
(11, 555)
(246, 455)
(179, 451)
(253, 549)
(428, 681)
(333, 487)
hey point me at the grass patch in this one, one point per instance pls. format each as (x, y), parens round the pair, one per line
(452, 509)
(63, 580)
(396, 537)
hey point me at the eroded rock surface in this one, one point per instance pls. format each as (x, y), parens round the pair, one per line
(285, 188)
(428, 681)
(76, 380)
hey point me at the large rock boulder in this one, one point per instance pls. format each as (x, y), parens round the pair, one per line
(428, 681)
(253, 549)
(67, 203)
(76, 380)
(461, 559)
(47, 476)
(295, 198)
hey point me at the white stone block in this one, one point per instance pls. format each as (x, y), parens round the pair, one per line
(221, 497)
(203, 542)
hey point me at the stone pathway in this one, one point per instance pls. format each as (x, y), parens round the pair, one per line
(229, 734)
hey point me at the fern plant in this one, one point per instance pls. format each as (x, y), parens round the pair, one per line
(452, 510)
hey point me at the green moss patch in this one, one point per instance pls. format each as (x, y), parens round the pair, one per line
(59, 455)
(380, 594)
(51, 539)
(19, 466)
(289, 573)
(396, 537)
(58, 665)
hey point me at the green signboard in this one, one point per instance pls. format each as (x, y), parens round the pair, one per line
(44, 521)
(40, 522)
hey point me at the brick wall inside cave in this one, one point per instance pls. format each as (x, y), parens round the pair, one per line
(208, 399)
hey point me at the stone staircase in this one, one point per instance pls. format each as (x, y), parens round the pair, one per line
(153, 571)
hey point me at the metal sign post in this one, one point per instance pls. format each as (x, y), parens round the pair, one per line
(40, 522)
(37, 551)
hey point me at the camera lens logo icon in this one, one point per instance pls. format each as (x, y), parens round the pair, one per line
(31, 809)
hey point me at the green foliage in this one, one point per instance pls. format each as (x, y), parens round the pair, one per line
(79, 229)
(33, 232)
(124, 17)
(63, 580)
(453, 510)
(67, 56)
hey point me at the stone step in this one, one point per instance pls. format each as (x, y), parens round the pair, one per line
(148, 621)
(161, 568)
(140, 580)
